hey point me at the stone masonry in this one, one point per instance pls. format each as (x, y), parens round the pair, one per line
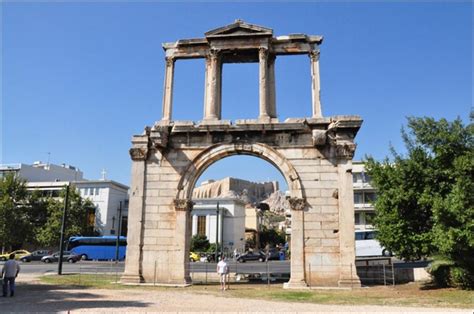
(314, 155)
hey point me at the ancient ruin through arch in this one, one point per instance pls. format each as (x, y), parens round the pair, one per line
(314, 155)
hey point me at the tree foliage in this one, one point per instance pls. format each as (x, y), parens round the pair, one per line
(199, 243)
(425, 198)
(271, 237)
(77, 219)
(28, 217)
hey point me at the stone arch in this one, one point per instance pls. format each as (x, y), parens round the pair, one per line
(219, 151)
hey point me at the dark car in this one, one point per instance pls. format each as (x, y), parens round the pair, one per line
(35, 256)
(67, 256)
(251, 256)
(273, 255)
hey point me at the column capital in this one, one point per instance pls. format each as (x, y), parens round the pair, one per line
(213, 54)
(169, 60)
(297, 203)
(183, 204)
(138, 153)
(262, 52)
(345, 150)
(314, 55)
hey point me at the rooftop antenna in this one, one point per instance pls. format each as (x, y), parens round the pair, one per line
(49, 156)
(104, 173)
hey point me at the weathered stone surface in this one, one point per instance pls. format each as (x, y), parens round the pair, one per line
(313, 154)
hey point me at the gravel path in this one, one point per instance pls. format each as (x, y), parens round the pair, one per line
(36, 297)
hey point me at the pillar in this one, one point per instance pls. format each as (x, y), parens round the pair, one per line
(315, 85)
(263, 83)
(271, 87)
(348, 274)
(213, 86)
(183, 208)
(168, 89)
(136, 211)
(297, 275)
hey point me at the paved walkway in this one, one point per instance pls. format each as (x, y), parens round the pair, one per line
(36, 297)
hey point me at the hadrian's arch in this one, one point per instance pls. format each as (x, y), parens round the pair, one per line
(314, 154)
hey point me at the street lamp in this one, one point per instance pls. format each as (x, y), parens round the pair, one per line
(63, 228)
(119, 225)
(217, 231)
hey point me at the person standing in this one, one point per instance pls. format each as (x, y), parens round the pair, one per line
(10, 271)
(223, 270)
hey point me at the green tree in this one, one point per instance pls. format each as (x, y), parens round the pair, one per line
(77, 223)
(425, 198)
(199, 243)
(14, 210)
(271, 237)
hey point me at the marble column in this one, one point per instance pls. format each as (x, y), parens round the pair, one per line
(271, 87)
(168, 89)
(297, 276)
(263, 83)
(315, 84)
(183, 208)
(139, 154)
(348, 274)
(213, 77)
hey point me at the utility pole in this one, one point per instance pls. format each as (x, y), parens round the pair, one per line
(217, 231)
(119, 225)
(222, 232)
(63, 228)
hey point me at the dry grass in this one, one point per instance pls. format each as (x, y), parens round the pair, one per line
(413, 294)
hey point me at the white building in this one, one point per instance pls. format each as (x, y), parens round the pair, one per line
(42, 172)
(109, 198)
(228, 229)
(106, 195)
(364, 196)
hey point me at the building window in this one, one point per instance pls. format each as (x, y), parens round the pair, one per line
(357, 218)
(357, 177)
(201, 225)
(91, 191)
(91, 217)
(358, 198)
(370, 197)
(369, 218)
(97, 191)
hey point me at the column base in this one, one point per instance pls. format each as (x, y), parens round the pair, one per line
(267, 119)
(349, 283)
(296, 284)
(131, 279)
(215, 121)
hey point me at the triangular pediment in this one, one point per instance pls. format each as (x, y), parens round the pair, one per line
(240, 28)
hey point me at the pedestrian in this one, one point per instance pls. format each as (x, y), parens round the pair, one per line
(222, 271)
(10, 271)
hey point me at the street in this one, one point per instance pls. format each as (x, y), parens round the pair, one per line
(112, 267)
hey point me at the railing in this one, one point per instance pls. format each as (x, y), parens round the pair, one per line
(377, 271)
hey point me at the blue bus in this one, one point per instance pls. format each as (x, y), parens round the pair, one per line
(98, 248)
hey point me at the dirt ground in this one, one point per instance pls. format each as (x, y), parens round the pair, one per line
(33, 296)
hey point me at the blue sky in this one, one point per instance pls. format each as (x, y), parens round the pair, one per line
(79, 79)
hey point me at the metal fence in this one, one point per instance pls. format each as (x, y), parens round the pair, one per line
(375, 272)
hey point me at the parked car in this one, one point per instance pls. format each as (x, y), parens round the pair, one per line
(18, 254)
(366, 244)
(273, 255)
(251, 256)
(67, 256)
(35, 256)
(194, 257)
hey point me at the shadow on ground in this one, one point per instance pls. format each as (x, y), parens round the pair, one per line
(36, 297)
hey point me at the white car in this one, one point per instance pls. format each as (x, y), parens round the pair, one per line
(367, 245)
